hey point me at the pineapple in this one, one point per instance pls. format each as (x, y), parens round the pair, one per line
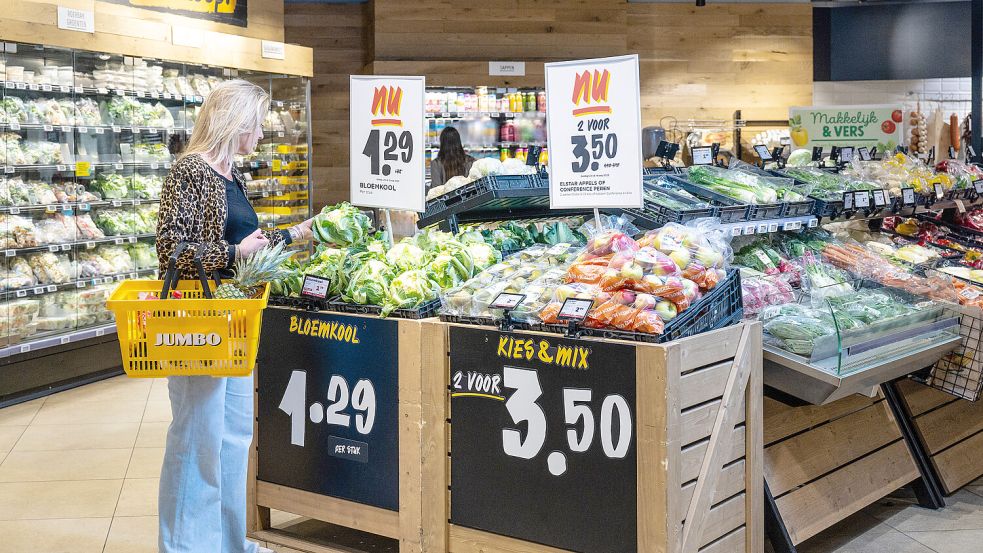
(262, 266)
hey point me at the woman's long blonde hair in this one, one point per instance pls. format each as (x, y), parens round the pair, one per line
(232, 108)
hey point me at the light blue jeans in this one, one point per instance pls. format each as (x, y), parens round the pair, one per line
(202, 499)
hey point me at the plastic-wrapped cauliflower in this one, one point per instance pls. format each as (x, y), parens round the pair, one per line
(484, 167)
(342, 225)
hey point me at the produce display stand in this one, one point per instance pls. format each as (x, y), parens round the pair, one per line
(350, 427)
(623, 446)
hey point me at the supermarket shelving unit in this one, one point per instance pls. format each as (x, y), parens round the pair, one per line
(86, 139)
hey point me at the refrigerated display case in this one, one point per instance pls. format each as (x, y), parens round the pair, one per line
(86, 140)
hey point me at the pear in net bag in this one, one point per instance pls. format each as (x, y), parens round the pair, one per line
(701, 253)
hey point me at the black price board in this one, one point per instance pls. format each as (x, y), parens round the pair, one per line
(315, 287)
(763, 153)
(543, 434)
(864, 153)
(846, 154)
(666, 150)
(328, 405)
(817, 153)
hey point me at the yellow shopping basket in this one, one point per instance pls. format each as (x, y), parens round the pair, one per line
(195, 335)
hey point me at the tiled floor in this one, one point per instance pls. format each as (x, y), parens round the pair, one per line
(79, 473)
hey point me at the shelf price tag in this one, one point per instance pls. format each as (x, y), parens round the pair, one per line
(66, 128)
(98, 130)
(978, 186)
(939, 191)
(387, 141)
(52, 288)
(78, 90)
(575, 309)
(46, 88)
(39, 290)
(749, 230)
(773, 227)
(880, 198)
(702, 155)
(15, 125)
(736, 231)
(54, 248)
(21, 293)
(861, 199)
(66, 247)
(848, 200)
(102, 90)
(65, 89)
(118, 166)
(762, 228)
(26, 348)
(100, 332)
(594, 133)
(507, 301)
(315, 287)
(908, 196)
(9, 253)
(48, 128)
(117, 129)
(8, 169)
(33, 87)
(135, 130)
(21, 86)
(15, 211)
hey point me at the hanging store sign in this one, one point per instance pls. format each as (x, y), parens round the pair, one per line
(594, 133)
(871, 126)
(536, 417)
(512, 68)
(328, 405)
(72, 19)
(387, 123)
(232, 12)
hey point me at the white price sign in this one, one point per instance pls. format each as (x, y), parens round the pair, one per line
(594, 133)
(387, 142)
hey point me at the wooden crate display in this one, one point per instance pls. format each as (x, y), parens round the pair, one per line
(951, 430)
(418, 522)
(824, 463)
(698, 471)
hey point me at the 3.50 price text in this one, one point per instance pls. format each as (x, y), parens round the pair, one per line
(524, 408)
(601, 146)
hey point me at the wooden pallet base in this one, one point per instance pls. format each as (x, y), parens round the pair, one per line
(951, 430)
(824, 463)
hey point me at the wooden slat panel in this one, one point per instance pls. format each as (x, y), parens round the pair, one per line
(723, 519)
(338, 511)
(960, 464)
(780, 420)
(813, 508)
(692, 456)
(697, 423)
(950, 424)
(724, 342)
(467, 540)
(653, 408)
(704, 384)
(921, 398)
(733, 542)
(795, 461)
(731, 483)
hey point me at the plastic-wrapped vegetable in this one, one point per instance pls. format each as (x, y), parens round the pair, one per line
(111, 186)
(342, 224)
(408, 290)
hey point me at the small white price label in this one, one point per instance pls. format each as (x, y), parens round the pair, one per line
(154, 165)
(118, 241)
(15, 211)
(749, 230)
(132, 239)
(848, 200)
(79, 90)
(66, 247)
(575, 309)
(702, 155)
(133, 275)
(939, 191)
(861, 199)
(99, 130)
(26, 348)
(141, 94)
(978, 186)
(879, 200)
(90, 245)
(52, 288)
(167, 165)
(100, 332)
(33, 86)
(102, 90)
(66, 128)
(65, 88)
(48, 128)
(46, 87)
(762, 228)
(813, 223)
(118, 166)
(65, 339)
(908, 196)
(9, 253)
(21, 293)
(117, 203)
(120, 92)
(8, 169)
(117, 128)
(80, 284)
(21, 86)
(508, 301)
(155, 95)
(15, 125)
(315, 287)
(736, 231)
(60, 167)
(135, 130)
(39, 290)
(773, 227)
(120, 278)
(54, 248)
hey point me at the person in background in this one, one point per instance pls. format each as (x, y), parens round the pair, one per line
(202, 497)
(451, 160)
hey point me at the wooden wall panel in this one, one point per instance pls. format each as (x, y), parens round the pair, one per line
(137, 32)
(339, 35)
(704, 63)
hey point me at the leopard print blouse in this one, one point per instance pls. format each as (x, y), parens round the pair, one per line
(193, 209)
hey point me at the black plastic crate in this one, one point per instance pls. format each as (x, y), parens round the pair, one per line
(425, 311)
(664, 214)
(721, 307)
(763, 212)
(733, 213)
(306, 304)
(481, 321)
(830, 209)
(501, 192)
(795, 209)
(728, 209)
(644, 219)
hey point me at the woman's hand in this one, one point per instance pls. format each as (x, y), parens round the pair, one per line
(252, 243)
(302, 231)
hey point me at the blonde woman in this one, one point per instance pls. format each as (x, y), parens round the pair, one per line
(202, 498)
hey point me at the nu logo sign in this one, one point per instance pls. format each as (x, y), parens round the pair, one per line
(194, 339)
(386, 103)
(591, 88)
